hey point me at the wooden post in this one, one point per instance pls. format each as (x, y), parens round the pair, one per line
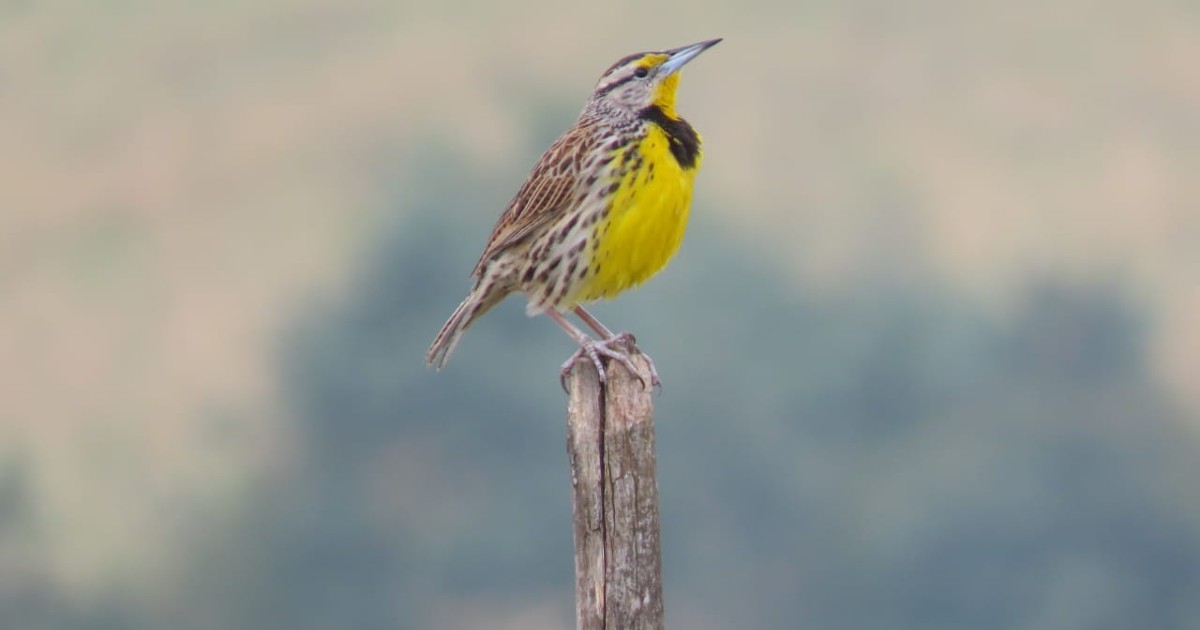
(614, 489)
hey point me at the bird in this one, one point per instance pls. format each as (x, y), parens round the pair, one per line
(603, 210)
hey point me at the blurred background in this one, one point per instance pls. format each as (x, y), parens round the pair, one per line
(930, 351)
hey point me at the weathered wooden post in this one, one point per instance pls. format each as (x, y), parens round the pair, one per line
(614, 489)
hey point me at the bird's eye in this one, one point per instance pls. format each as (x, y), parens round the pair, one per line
(641, 73)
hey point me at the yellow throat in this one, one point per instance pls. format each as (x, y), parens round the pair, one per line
(649, 210)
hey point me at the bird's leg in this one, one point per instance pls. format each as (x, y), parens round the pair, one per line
(590, 348)
(618, 339)
(595, 324)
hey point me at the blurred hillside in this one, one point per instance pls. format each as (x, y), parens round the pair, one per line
(942, 273)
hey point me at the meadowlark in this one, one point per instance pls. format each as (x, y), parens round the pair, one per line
(603, 210)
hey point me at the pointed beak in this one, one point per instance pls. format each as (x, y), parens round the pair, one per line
(679, 56)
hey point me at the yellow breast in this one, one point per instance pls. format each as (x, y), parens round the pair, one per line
(645, 223)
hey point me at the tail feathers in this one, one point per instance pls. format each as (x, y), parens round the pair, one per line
(478, 302)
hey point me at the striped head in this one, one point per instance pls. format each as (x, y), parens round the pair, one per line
(643, 80)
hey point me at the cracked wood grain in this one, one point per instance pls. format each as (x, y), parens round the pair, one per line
(614, 489)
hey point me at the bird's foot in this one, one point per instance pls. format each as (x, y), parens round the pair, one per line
(616, 348)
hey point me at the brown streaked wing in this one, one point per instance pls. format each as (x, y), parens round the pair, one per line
(545, 194)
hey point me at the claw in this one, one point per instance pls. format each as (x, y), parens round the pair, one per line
(607, 348)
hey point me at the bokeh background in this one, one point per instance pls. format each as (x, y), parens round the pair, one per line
(931, 349)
